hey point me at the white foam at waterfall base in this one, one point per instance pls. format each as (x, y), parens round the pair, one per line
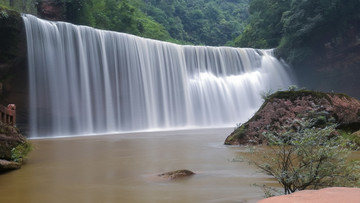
(88, 81)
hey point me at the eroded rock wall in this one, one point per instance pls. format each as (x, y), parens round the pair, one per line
(13, 64)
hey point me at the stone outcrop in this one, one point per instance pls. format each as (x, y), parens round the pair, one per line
(8, 165)
(176, 174)
(284, 108)
(10, 138)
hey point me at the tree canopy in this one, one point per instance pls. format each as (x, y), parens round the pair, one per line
(299, 28)
(207, 22)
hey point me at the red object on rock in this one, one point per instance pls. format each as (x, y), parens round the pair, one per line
(8, 114)
(11, 107)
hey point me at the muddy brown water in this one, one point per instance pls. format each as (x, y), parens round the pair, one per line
(123, 168)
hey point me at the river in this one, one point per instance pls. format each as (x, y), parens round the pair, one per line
(124, 168)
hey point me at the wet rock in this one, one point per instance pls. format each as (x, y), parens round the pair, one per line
(176, 174)
(286, 108)
(6, 165)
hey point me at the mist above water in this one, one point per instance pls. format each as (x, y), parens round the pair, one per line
(86, 81)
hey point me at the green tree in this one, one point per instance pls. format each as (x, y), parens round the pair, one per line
(265, 27)
(299, 29)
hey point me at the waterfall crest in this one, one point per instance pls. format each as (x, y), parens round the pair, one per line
(85, 81)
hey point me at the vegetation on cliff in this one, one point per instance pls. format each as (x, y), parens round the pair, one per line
(301, 28)
(212, 22)
(11, 25)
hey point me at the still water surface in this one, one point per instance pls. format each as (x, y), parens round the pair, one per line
(123, 168)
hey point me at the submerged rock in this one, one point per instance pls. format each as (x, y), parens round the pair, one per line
(176, 174)
(285, 108)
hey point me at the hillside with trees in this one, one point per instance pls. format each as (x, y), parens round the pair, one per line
(209, 22)
(201, 22)
(320, 39)
(300, 28)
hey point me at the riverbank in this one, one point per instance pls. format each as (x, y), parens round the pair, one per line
(327, 195)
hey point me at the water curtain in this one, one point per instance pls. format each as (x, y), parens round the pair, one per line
(85, 81)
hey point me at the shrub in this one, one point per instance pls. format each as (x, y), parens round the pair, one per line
(309, 158)
(20, 152)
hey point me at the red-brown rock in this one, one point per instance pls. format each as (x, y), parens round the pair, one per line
(284, 108)
(327, 195)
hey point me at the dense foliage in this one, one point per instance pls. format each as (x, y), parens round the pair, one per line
(28, 6)
(210, 22)
(116, 15)
(300, 28)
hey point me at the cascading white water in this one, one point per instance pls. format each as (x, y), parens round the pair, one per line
(85, 81)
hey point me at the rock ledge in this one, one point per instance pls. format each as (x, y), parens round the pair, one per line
(284, 108)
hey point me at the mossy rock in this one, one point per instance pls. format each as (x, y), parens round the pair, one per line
(292, 95)
(10, 139)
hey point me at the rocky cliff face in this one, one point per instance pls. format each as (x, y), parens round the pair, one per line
(334, 66)
(282, 110)
(13, 63)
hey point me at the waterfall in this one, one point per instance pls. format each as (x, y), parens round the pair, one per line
(86, 81)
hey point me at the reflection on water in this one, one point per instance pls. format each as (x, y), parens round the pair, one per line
(119, 168)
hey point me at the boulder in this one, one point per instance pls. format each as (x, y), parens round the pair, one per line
(176, 174)
(10, 137)
(6, 165)
(282, 111)
(13, 147)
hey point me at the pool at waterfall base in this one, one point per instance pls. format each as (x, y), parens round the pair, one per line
(124, 168)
